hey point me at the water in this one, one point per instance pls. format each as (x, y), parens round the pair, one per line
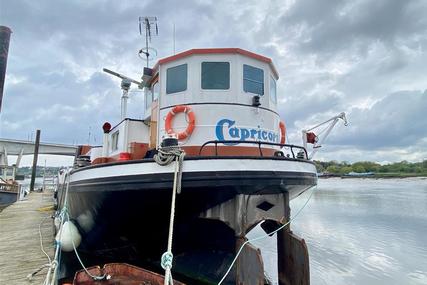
(362, 231)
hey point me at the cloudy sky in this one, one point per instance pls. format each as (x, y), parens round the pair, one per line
(367, 58)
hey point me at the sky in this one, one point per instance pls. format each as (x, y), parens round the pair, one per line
(366, 58)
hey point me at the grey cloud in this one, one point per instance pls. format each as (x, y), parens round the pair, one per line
(332, 56)
(334, 26)
(398, 120)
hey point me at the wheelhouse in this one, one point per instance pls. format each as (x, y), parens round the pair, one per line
(223, 95)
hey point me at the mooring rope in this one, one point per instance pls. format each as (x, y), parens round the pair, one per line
(164, 157)
(265, 236)
(53, 266)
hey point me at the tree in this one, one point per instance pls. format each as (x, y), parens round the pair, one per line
(333, 169)
(359, 168)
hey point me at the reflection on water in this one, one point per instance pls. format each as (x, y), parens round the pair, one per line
(362, 231)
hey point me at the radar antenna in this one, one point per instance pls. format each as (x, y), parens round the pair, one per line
(149, 24)
(126, 82)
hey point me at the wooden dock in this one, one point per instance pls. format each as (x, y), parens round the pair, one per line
(20, 253)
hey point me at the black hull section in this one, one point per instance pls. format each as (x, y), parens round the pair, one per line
(126, 218)
(242, 182)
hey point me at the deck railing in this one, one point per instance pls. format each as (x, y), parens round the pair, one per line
(9, 187)
(290, 147)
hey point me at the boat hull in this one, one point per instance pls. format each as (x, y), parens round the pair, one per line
(122, 210)
(7, 198)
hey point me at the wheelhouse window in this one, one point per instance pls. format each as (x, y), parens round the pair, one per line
(176, 79)
(216, 75)
(253, 80)
(148, 98)
(115, 141)
(273, 94)
(155, 90)
(152, 94)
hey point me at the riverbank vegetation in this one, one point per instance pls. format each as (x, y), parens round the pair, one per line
(397, 169)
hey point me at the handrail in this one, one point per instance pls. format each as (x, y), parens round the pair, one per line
(259, 143)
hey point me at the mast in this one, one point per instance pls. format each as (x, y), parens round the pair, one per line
(151, 28)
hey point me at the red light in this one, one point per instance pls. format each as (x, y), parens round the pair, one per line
(106, 127)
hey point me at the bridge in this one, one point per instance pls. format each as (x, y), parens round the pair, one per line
(21, 147)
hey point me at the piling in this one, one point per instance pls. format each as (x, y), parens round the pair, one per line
(36, 155)
(4, 50)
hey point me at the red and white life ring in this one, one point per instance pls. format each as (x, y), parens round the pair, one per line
(282, 132)
(191, 121)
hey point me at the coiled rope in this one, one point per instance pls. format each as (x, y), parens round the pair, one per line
(164, 157)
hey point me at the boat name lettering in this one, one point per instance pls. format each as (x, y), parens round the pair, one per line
(226, 130)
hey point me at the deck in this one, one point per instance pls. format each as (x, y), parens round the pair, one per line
(20, 253)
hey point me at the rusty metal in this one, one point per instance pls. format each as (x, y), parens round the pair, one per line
(249, 266)
(292, 255)
(244, 212)
(120, 274)
(293, 259)
(4, 50)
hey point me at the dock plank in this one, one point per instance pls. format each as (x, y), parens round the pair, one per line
(20, 252)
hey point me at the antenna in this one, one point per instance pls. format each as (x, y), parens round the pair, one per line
(151, 28)
(174, 38)
(121, 76)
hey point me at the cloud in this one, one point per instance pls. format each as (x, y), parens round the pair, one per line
(360, 56)
(398, 120)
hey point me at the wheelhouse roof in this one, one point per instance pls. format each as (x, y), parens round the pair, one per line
(218, 51)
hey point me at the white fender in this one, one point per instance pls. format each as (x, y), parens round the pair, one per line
(67, 235)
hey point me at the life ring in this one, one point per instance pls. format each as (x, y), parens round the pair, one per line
(191, 121)
(282, 132)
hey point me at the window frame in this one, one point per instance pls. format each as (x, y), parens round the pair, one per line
(212, 89)
(251, 80)
(186, 78)
(150, 93)
(273, 99)
(115, 140)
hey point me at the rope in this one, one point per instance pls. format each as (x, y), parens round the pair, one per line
(41, 239)
(50, 265)
(265, 236)
(94, 277)
(54, 265)
(164, 157)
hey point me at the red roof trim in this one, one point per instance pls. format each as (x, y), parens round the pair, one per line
(218, 51)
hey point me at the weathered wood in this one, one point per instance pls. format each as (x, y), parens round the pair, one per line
(20, 252)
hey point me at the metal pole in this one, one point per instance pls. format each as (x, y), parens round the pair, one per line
(147, 29)
(36, 154)
(4, 49)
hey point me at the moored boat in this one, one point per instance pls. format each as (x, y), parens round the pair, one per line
(9, 188)
(212, 126)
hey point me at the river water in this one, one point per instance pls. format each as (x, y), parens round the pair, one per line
(361, 231)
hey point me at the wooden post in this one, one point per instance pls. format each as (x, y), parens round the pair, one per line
(36, 154)
(292, 255)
